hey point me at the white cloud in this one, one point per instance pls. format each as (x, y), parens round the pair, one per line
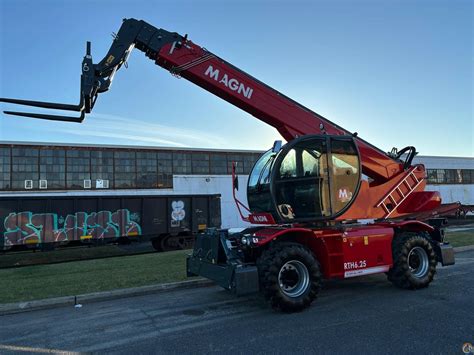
(133, 131)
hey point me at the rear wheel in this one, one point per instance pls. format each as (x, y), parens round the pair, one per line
(289, 276)
(414, 261)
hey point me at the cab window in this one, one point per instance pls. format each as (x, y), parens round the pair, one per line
(301, 186)
(345, 171)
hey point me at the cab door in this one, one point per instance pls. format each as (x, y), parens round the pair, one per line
(315, 178)
(301, 187)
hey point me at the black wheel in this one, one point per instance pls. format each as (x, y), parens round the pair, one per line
(157, 243)
(290, 277)
(414, 261)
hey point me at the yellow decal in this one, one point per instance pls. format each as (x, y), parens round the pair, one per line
(366, 240)
(109, 60)
(85, 237)
(132, 234)
(202, 226)
(31, 241)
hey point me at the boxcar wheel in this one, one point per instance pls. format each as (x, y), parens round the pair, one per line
(414, 261)
(156, 243)
(289, 275)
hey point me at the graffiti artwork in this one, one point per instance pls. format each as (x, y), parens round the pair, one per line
(30, 228)
(178, 212)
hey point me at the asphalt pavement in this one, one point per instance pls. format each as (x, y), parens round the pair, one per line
(360, 315)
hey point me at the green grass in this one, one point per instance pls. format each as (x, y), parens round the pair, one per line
(9, 259)
(78, 277)
(459, 239)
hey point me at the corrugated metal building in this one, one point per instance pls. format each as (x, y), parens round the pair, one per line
(45, 169)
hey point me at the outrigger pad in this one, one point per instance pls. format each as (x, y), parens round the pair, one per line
(213, 259)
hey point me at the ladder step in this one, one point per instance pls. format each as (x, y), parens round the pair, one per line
(389, 198)
(400, 192)
(414, 177)
(393, 199)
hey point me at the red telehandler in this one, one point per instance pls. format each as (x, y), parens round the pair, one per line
(325, 205)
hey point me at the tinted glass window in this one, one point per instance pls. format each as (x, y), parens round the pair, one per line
(345, 170)
(261, 172)
(258, 190)
(301, 186)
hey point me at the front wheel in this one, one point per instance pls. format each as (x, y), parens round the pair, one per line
(414, 261)
(290, 276)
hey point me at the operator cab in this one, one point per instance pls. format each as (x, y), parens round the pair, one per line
(311, 178)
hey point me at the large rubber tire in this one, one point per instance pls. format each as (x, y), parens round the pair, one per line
(414, 261)
(290, 276)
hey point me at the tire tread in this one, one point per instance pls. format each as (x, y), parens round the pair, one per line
(269, 264)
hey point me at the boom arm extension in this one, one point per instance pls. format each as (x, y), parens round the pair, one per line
(97, 78)
(183, 58)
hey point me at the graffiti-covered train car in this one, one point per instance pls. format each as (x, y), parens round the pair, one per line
(169, 222)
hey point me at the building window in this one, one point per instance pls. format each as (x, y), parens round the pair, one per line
(200, 163)
(450, 176)
(467, 176)
(165, 169)
(249, 162)
(147, 170)
(164, 163)
(182, 163)
(5, 167)
(238, 159)
(218, 163)
(77, 168)
(53, 168)
(24, 167)
(165, 181)
(102, 168)
(124, 170)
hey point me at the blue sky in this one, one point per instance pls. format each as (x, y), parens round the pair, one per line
(397, 72)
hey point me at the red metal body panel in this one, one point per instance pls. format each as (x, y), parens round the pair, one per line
(292, 120)
(367, 250)
(343, 251)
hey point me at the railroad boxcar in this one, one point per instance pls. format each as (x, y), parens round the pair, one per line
(168, 221)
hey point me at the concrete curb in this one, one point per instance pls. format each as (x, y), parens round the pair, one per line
(9, 308)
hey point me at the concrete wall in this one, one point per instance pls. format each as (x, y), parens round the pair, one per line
(454, 193)
(216, 184)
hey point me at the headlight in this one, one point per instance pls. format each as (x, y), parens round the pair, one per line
(245, 240)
